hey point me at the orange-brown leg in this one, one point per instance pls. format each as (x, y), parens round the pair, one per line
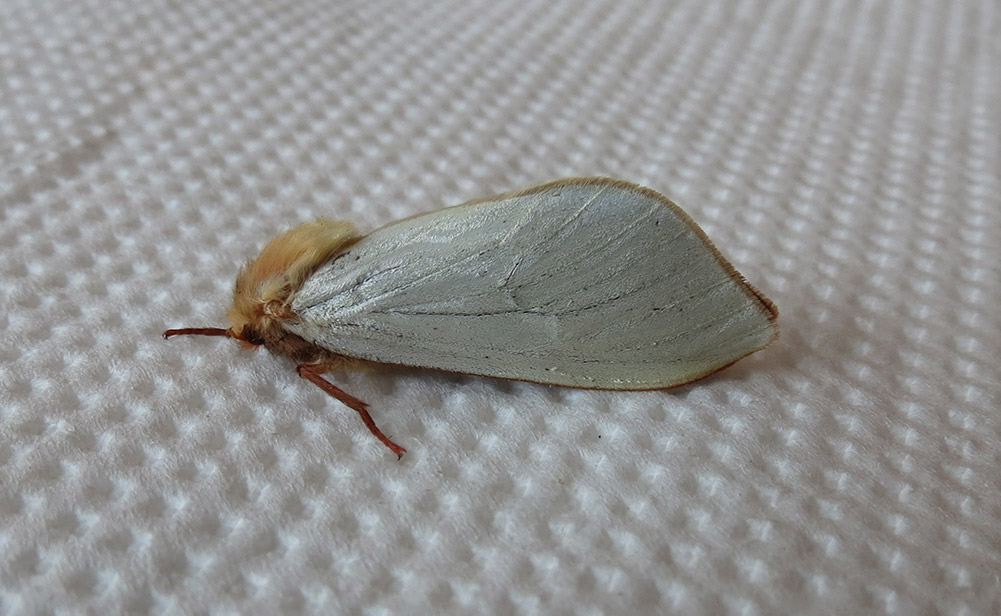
(308, 372)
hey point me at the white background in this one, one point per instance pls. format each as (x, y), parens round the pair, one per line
(844, 155)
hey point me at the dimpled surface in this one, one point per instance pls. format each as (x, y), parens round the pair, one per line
(844, 155)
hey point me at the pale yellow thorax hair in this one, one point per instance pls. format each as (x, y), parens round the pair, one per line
(265, 285)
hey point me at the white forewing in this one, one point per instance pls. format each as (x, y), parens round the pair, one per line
(584, 282)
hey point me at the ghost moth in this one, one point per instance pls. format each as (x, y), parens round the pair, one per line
(583, 282)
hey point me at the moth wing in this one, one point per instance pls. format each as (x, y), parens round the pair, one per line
(587, 282)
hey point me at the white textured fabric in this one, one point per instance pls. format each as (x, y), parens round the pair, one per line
(844, 155)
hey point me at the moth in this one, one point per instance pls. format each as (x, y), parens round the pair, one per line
(583, 282)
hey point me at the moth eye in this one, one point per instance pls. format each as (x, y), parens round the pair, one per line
(248, 334)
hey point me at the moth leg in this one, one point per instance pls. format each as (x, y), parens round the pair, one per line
(308, 372)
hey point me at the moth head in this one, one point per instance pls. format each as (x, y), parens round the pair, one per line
(265, 285)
